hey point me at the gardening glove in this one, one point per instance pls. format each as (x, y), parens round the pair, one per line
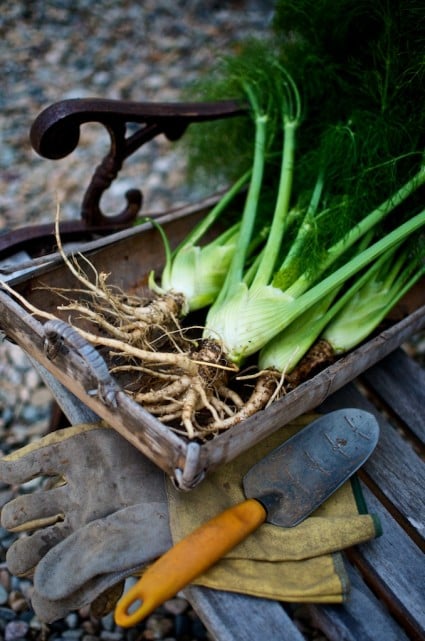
(98, 554)
(97, 474)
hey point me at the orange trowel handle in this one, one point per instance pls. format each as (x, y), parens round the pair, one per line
(189, 558)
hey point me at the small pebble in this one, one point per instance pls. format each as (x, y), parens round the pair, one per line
(15, 630)
(15, 583)
(26, 587)
(72, 635)
(176, 606)
(157, 627)
(72, 620)
(4, 595)
(4, 574)
(6, 614)
(26, 615)
(89, 628)
(108, 622)
(35, 623)
(106, 635)
(17, 601)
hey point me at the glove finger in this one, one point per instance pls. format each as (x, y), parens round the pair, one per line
(48, 456)
(31, 511)
(26, 552)
(125, 540)
(49, 611)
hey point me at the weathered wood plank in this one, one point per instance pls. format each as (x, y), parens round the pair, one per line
(394, 565)
(236, 617)
(394, 465)
(400, 382)
(362, 618)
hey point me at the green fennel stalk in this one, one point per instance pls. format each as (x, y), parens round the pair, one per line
(250, 317)
(343, 323)
(197, 272)
(234, 284)
(363, 312)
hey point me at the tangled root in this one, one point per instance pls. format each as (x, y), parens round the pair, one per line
(264, 389)
(132, 319)
(187, 387)
(181, 385)
(185, 384)
(190, 389)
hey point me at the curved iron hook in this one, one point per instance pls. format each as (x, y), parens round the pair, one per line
(55, 133)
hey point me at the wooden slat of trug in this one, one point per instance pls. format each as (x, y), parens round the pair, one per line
(394, 467)
(362, 618)
(400, 382)
(393, 565)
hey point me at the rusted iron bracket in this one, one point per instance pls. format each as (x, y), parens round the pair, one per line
(55, 133)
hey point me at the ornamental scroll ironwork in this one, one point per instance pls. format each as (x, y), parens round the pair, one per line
(56, 132)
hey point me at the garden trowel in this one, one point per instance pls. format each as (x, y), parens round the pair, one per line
(283, 489)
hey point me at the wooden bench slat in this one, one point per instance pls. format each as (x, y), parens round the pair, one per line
(235, 617)
(394, 465)
(395, 564)
(400, 382)
(362, 618)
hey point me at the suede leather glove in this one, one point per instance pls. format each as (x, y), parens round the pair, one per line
(100, 482)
